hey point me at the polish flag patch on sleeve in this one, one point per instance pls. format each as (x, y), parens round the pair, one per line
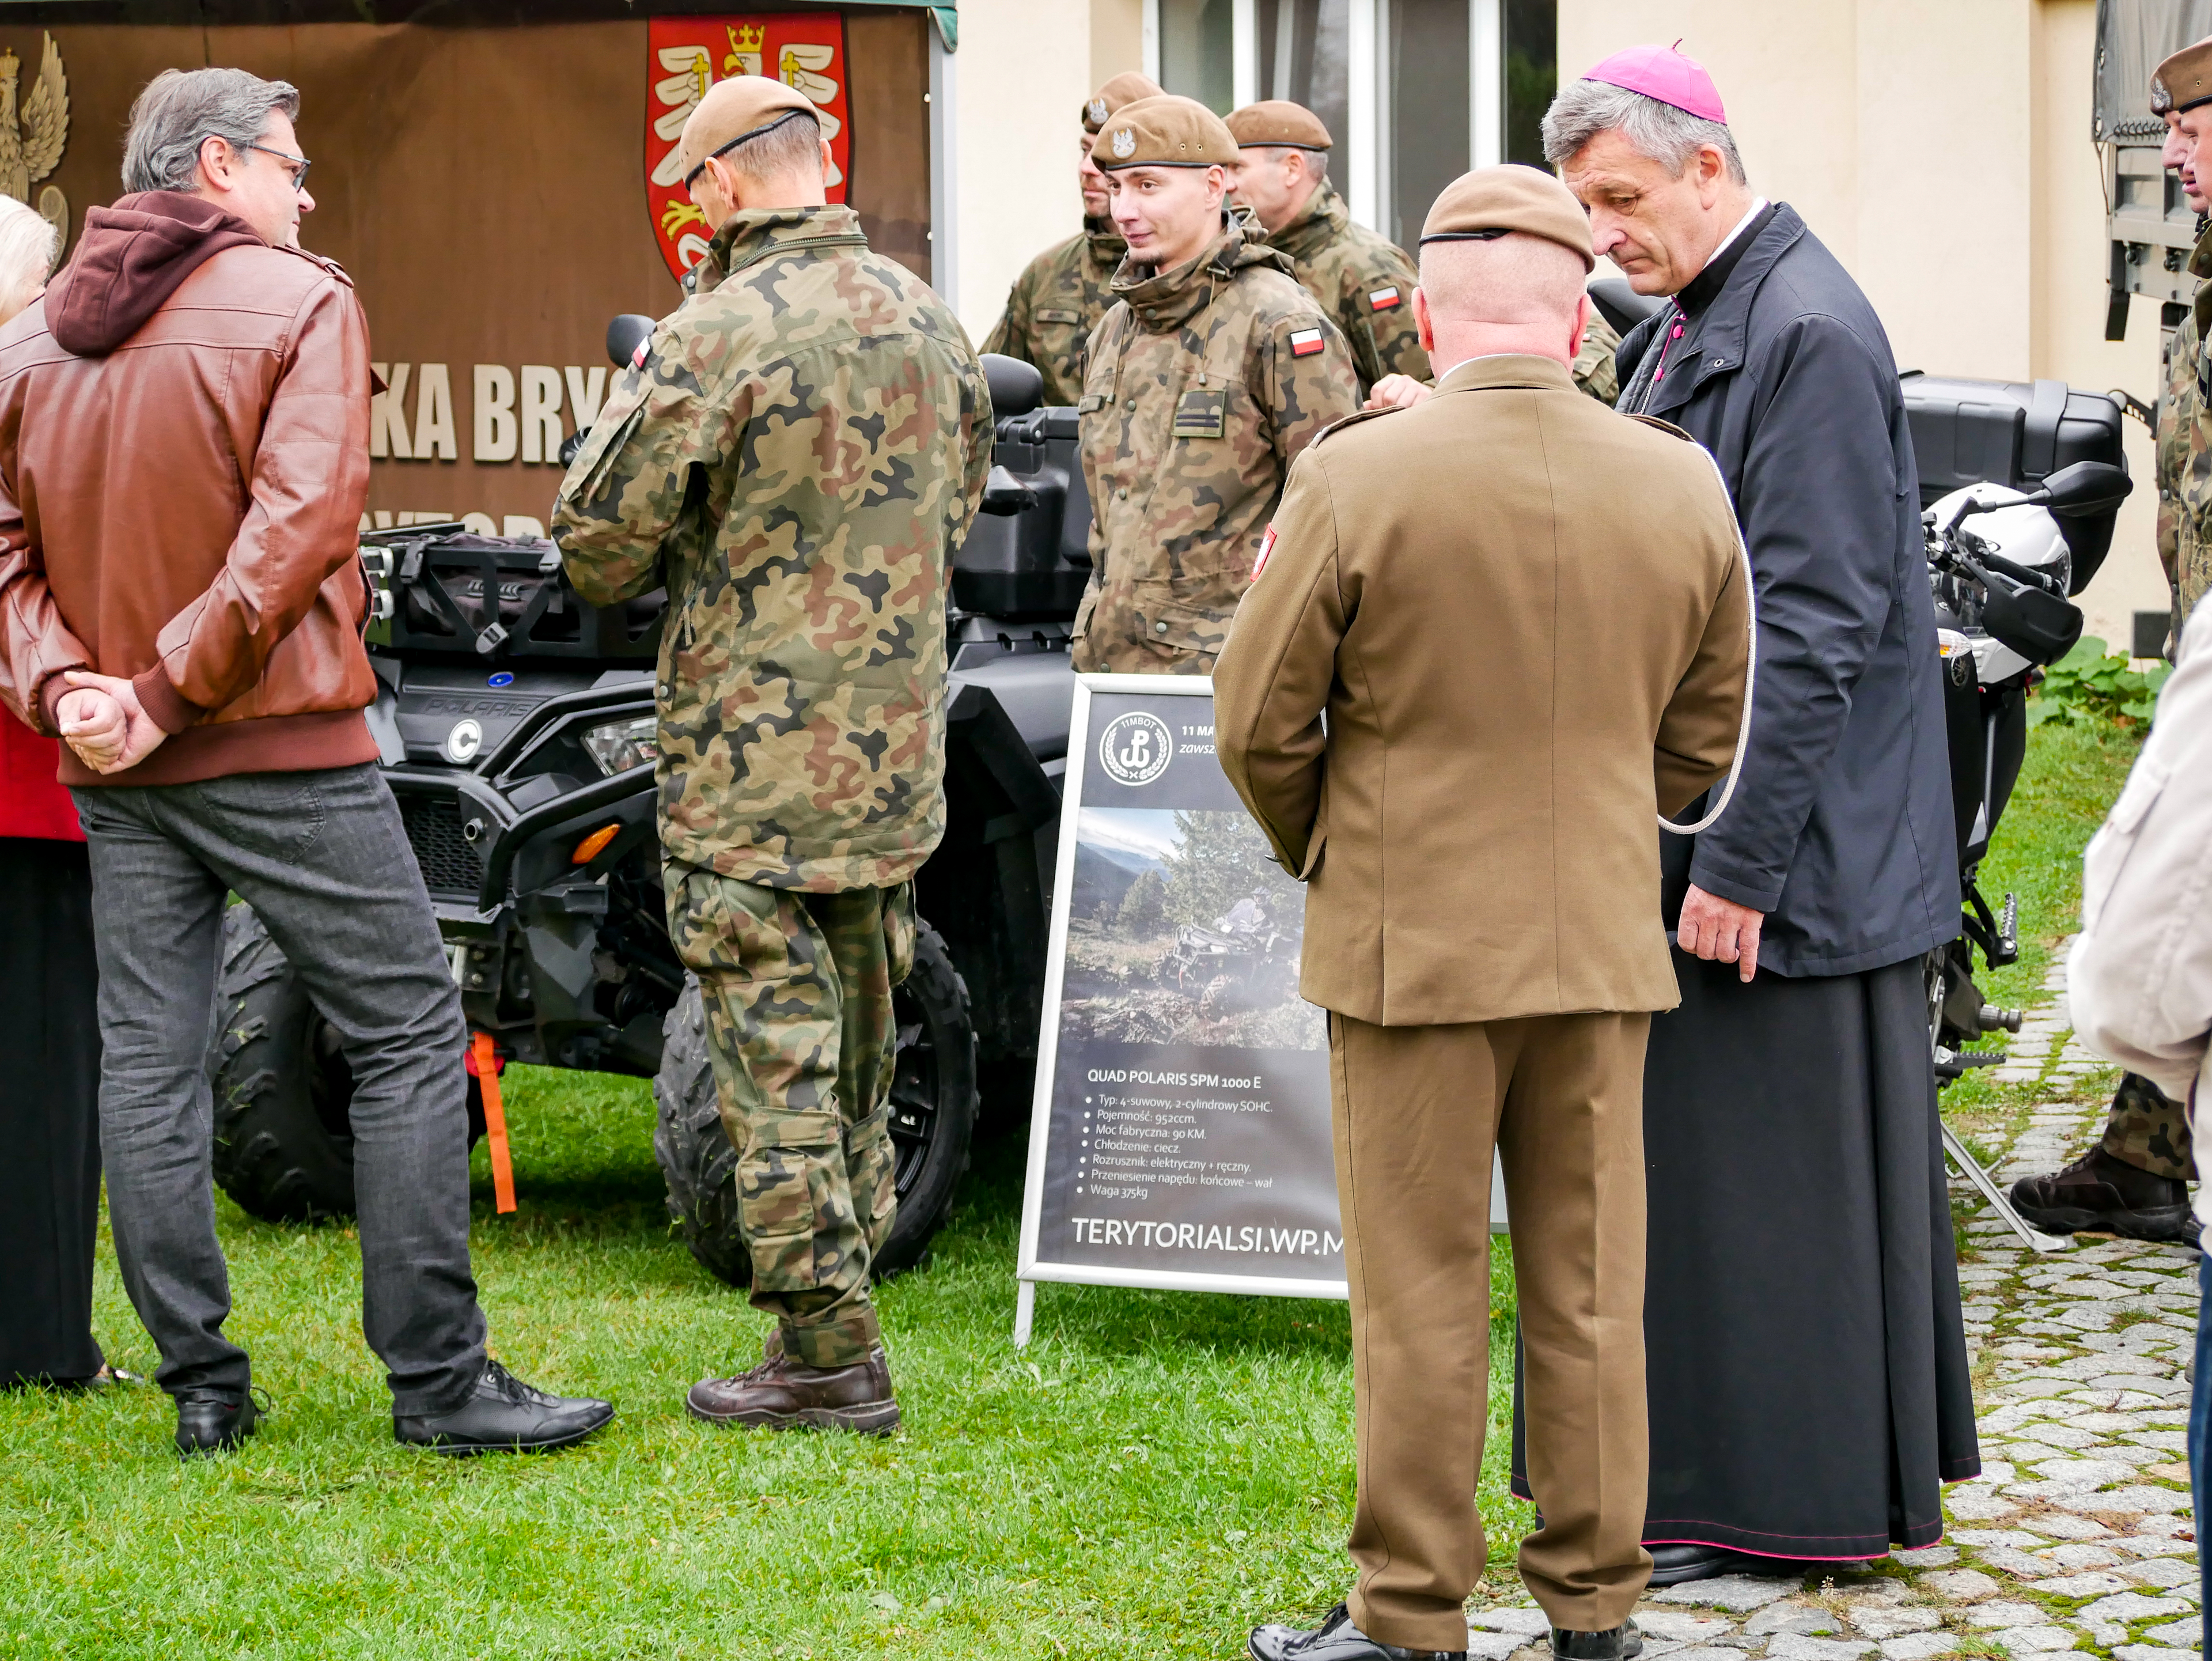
(1382, 300)
(1304, 342)
(1267, 547)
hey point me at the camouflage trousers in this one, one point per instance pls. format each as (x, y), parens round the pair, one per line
(2149, 1130)
(798, 989)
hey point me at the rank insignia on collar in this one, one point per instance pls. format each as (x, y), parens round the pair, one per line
(1382, 300)
(1304, 342)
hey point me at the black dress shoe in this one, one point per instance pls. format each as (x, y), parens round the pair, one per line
(1336, 1639)
(208, 1423)
(503, 1415)
(1674, 1565)
(2101, 1194)
(1619, 1643)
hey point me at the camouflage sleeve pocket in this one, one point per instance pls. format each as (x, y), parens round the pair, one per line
(603, 449)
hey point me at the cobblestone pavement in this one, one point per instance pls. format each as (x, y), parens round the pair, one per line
(2079, 1534)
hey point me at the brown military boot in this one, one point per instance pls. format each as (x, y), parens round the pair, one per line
(784, 1393)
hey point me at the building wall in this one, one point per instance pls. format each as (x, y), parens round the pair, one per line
(1970, 206)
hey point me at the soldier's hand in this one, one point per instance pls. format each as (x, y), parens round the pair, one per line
(1397, 392)
(1718, 929)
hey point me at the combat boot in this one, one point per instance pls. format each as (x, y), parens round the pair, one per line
(784, 1393)
(2101, 1194)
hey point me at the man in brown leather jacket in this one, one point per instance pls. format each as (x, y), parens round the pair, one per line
(183, 459)
(1518, 666)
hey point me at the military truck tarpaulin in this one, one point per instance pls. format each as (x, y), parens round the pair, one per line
(1181, 1135)
(805, 50)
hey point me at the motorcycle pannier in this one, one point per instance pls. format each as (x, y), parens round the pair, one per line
(2014, 433)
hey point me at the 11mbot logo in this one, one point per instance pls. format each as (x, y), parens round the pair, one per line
(1135, 749)
(687, 55)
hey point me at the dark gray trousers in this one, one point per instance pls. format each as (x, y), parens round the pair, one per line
(322, 859)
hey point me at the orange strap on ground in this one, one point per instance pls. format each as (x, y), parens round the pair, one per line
(502, 1166)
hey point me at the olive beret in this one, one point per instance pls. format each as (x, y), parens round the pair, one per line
(1166, 132)
(2183, 81)
(1126, 88)
(740, 108)
(1278, 121)
(1490, 202)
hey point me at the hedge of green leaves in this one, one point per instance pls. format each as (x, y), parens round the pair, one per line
(2086, 685)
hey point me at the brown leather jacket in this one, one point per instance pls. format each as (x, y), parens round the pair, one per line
(184, 461)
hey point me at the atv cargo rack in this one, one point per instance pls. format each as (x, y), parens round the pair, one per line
(428, 584)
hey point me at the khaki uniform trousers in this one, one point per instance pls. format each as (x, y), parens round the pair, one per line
(1417, 1112)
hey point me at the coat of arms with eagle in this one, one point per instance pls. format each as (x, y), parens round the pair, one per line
(33, 129)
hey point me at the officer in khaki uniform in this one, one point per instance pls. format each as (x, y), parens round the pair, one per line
(1363, 280)
(2135, 1182)
(1211, 373)
(801, 695)
(1517, 671)
(1060, 296)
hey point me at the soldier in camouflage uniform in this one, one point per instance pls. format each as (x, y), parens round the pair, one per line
(793, 454)
(1593, 367)
(1213, 371)
(2134, 1182)
(1060, 296)
(1363, 280)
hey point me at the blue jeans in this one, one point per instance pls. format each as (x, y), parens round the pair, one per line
(2199, 1412)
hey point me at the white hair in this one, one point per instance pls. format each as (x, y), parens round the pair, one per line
(29, 244)
(1670, 137)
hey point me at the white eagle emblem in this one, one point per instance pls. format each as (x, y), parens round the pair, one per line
(33, 134)
(1124, 145)
(1099, 110)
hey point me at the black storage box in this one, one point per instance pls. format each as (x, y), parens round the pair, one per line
(431, 585)
(2014, 433)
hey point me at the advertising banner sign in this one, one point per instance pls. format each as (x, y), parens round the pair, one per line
(1181, 1131)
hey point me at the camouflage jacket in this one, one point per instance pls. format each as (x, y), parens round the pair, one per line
(1593, 367)
(2185, 455)
(798, 450)
(1056, 302)
(1205, 382)
(1364, 282)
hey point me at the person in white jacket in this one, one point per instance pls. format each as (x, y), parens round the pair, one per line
(2139, 982)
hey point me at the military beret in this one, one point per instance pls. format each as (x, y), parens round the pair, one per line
(1490, 202)
(1126, 88)
(741, 107)
(1166, 132)
(2183, 81)
(1278, 121)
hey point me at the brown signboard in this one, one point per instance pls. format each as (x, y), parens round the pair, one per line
(487, 189)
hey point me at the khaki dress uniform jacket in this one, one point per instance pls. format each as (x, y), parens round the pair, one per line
(1055, 303)
(1515, 677)
(1205, 382)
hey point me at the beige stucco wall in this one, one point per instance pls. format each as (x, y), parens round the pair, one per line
(1023, 70)
(1970, 206)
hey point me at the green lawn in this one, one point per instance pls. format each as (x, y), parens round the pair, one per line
(1155, 1474)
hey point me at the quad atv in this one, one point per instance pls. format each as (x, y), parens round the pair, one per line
(518, 734)
(1245, 961)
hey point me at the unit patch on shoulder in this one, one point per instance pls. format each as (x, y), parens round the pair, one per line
(637, 358)
(1267, 547)
(1382, 300)
(1304, 342)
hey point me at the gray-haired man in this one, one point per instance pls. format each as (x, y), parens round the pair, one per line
(195, 637)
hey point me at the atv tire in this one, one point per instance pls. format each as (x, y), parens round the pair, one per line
(283, 1139)
(933, 1102)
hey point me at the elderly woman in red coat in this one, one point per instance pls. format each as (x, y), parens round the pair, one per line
(49, 1044)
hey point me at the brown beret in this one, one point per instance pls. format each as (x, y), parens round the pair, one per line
(739, 107)
(1278, 121)
(1126, 88)
(1490, 202)
(1166, 132)
(2183, 80)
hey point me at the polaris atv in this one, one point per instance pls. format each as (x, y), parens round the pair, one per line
(1244, 961)
(518, 734)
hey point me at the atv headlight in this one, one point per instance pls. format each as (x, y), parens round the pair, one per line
(619, 746)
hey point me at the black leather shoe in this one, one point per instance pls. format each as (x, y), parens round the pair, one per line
(208, 1423)
(503, 1415)
(1616, 1643)
(1674, 1565)
(1336, 1639)
(2101, 1194)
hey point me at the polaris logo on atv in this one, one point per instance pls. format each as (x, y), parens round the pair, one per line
(1135, 749)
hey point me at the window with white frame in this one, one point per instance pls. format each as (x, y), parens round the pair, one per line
(1414, 92)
